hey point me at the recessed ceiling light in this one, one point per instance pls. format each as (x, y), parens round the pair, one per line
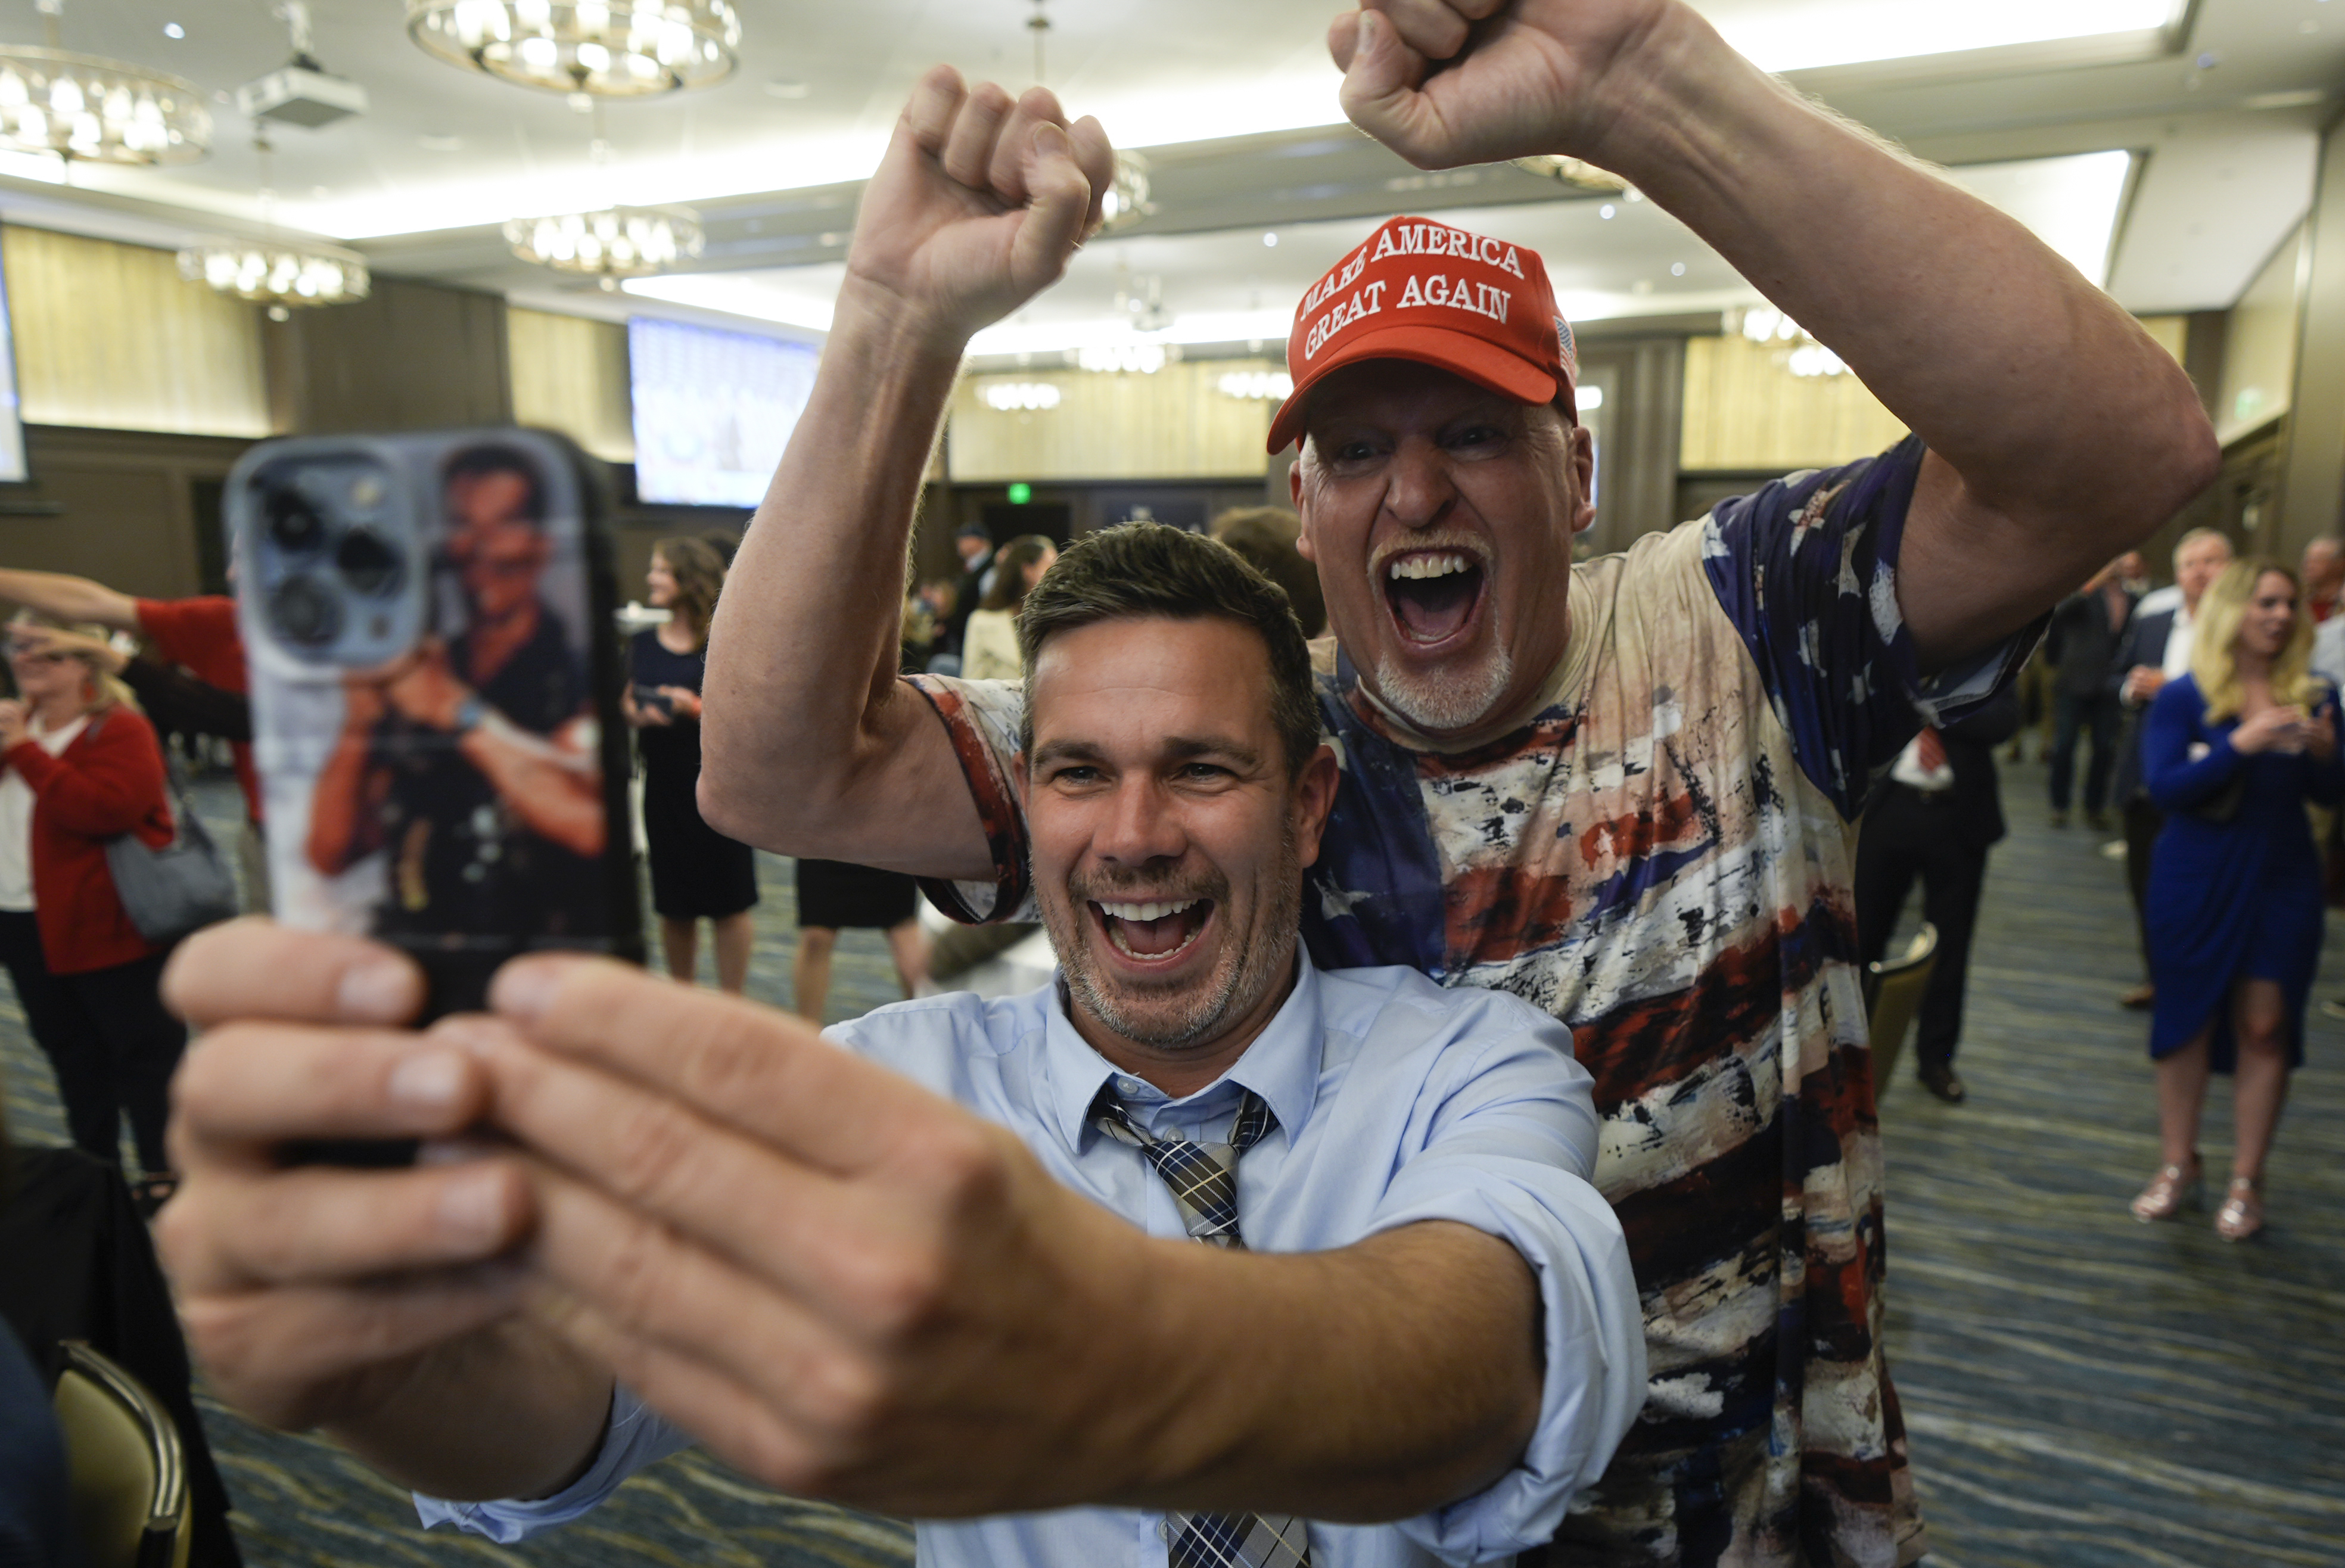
(173, 30)
(783, 88)
(1607, 211)
(432, 144)
(1677, 269)
(1271, 240)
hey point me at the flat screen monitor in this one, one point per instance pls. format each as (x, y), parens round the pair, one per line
(712, 411)
(13, 468)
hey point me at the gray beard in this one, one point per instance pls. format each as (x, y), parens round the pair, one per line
(1449, 701)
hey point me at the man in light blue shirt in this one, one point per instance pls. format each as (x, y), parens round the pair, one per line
(1200, 1255)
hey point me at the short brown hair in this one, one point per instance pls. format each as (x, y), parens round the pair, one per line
(1265, 538)
(699, 573)
(1141, 570)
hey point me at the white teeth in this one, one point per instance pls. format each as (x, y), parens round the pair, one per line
(1154, 911)
(1429, 565)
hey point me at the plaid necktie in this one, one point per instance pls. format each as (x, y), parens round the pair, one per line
(1203, 1180)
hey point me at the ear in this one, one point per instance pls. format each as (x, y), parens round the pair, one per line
(1313, 799)
(1304, 546)
(1583, 475)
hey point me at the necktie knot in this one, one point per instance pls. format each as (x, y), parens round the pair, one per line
(1202, 1177)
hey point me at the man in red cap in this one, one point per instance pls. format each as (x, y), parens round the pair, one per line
(1624, 791)
(1621, 790)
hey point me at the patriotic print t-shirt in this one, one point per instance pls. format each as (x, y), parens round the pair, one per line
(1662, 860)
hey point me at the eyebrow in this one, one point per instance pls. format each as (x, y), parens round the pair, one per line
(1175, 748)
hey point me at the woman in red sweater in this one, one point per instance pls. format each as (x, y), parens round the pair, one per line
(80, 765)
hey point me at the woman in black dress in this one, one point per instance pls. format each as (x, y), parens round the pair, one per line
(697, 873)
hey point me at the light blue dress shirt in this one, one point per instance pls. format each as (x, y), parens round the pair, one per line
(1397, 1101)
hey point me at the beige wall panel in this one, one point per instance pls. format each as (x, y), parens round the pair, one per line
(2171, 333)
(111, 336)
(2260, 354)
(1174, 424)
(1743, 410)
(570, 374)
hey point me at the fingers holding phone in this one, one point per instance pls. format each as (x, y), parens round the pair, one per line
(308, 1292)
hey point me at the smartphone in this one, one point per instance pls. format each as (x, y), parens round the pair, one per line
(653, 698)
(435, 670)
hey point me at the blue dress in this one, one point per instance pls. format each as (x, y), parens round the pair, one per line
(2235, 898)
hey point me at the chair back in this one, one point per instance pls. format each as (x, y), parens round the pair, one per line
(1892, 995)
(127, 1475)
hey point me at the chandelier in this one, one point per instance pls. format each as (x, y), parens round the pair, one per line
(97, 110)
(277, 274)
(1125, 201)
(605, 48)
(1576, 172)
(1796, 348)
(614, 243)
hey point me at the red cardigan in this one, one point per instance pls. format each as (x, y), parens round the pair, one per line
(108, 783)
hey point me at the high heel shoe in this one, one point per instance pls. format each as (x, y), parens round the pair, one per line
(2168, 1193)
(2242, 1214)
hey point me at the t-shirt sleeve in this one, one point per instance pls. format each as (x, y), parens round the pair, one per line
(982, 719)
(1508, 1152)
(198, 633)
(1806, 569)
(634, 1439)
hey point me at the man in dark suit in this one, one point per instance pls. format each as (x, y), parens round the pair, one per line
(1934, 815)
(2155, 649)
(2082, 647)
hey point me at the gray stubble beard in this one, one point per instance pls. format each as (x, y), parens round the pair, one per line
(1449, 701)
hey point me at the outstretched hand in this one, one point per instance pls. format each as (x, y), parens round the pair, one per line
(1450, 82)
(978, 203)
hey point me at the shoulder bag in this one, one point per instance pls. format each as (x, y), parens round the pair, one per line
(185, 884)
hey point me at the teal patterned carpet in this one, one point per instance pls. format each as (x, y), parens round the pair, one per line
(2083, 1391)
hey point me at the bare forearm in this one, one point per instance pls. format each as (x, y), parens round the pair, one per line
(1417, 1354)
(2046, 398)
(70, 598)
(555, 800)
(801, 700)
(512, 1411)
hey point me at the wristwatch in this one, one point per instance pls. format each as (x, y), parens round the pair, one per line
(468, 714)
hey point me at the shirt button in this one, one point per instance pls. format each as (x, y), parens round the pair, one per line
(1129, 1086)
(1165, 1529)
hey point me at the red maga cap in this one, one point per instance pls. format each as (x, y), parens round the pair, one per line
(1416, 290)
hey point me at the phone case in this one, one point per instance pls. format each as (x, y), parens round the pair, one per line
(435, 669)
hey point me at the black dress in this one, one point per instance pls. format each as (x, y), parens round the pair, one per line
(696, 871)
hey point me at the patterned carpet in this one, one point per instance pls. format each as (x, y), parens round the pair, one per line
(2083, 1391)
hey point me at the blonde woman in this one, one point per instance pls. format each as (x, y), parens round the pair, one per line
(2230, 753)
(80, 765)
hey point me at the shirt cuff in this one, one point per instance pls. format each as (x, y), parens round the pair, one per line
(634, 1439)
(1593, 1331)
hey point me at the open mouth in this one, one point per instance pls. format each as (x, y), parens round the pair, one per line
(1433, 594)
(1153, 931)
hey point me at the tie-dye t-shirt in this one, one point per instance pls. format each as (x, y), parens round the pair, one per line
(1662, 860)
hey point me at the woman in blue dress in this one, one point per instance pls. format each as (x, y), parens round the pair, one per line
(2231, 752)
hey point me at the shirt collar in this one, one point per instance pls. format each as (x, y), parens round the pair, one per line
(1282, 1065)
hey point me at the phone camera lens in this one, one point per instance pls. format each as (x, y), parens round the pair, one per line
(304, 613)
(367, 563)
(294, 525)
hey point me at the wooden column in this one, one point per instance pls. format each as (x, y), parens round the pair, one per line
(412, 356)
